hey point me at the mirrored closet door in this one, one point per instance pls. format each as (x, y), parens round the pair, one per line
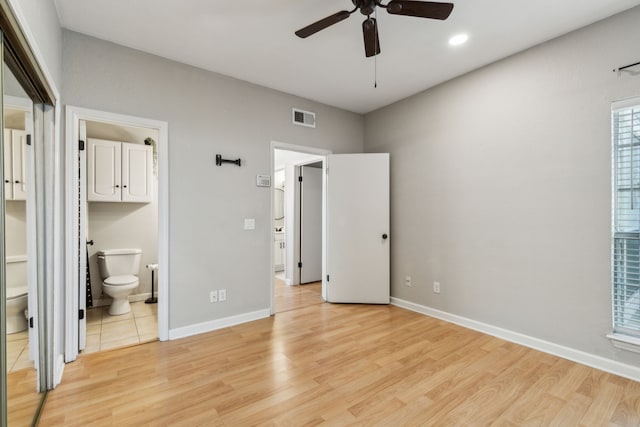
(26, 227)
(22, 356)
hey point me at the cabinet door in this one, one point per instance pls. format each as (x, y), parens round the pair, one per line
(104, 170)
(19, 155)
(137, 173)
(8, 170)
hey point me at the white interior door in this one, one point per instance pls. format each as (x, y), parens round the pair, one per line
(357, 259)
(311, 223)
(82, 238)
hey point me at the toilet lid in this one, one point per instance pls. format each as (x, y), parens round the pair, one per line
(16, 292)
(120, 280)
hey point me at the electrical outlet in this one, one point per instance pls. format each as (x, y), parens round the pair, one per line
(213, 296)
(436, 287)
(407, 281)
(222, 295)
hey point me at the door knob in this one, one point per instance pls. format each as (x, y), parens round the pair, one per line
(384, 236)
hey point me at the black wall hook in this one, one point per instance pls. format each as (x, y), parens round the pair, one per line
(220, 160)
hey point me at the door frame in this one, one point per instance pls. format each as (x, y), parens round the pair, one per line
(275, 145)
(73, 117)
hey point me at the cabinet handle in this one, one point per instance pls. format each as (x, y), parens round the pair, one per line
(17, 182)
(124, 186)
(7, 181)
(117, 186)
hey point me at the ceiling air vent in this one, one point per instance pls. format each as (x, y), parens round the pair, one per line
(304, 118)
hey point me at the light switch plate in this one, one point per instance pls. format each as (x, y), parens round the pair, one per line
(249, 224)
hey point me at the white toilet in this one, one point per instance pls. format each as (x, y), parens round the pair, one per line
(119, 272)
(17, 301)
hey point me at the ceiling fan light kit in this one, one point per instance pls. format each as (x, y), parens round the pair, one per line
(418, 9)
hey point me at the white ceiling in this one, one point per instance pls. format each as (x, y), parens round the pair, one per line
(254, 40)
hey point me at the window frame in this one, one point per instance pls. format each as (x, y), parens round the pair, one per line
(624, 336)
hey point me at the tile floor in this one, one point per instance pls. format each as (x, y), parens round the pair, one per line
(105, 332)
(18, 352)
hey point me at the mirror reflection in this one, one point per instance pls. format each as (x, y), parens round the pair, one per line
(21, 342)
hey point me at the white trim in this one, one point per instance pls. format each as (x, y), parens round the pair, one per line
(625, 103)
(59, 370)
(598, 362)
(624, 342)
(73, 116)
(213, 325)
(105, 302)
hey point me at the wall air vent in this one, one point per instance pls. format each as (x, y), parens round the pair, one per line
(304, 118)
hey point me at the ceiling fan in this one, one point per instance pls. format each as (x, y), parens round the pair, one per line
(420, 9)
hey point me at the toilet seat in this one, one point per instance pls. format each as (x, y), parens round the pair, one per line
(121, 280)
(17, 292)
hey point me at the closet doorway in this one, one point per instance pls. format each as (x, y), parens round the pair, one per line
(119, 190)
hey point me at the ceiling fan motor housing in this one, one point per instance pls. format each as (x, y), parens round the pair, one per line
(366, 6)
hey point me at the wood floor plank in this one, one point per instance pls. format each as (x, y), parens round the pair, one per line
(336, 365)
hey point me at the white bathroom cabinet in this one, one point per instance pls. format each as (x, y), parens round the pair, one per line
(15, 145)
(119, 171)
(278, 251)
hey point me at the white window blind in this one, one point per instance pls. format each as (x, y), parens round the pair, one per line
(626, 218)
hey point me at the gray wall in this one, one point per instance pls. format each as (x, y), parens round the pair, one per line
(208, 114)
(501, 187)
(122, 225)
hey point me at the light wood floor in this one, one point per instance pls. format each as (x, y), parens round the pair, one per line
(330, 364)
(22, 398)
(295, 297)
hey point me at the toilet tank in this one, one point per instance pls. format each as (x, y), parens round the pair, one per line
(119, 262)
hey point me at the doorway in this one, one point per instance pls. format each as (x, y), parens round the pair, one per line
(297, 218)
(124, 218)
(355, 225)
(114, 217)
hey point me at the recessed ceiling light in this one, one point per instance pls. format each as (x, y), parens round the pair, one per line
(458, 39)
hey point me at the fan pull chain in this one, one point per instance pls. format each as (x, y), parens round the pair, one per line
(375, 71)
(375, 58)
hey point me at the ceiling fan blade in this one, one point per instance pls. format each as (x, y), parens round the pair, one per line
(322, 24)
(371, 40)
(420, 9)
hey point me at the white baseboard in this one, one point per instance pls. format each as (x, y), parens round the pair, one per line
(105, 302)
(200, 328)
(627, 371)
(58, 371)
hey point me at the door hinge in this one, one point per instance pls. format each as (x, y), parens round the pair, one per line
(81, 314)
(28, 139)
(299, 179)
(81, 145)
(299, 265)
(31, 322)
